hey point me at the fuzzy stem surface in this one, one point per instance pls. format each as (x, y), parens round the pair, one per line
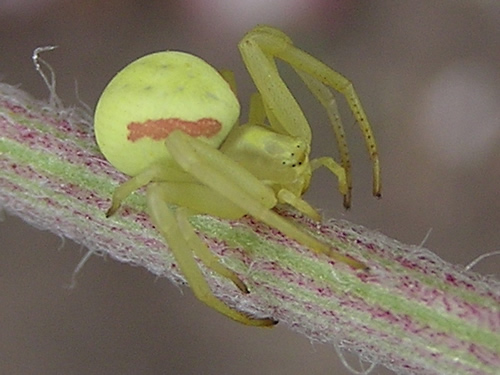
(411, 311)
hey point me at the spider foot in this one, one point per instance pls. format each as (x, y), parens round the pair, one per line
(112, 210)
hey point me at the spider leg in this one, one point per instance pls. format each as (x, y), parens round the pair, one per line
(155, 171)
(256, 112)
(173, 230)
(262, 43)
(327, 100)
(342, 175)
(199, 199)
(282, 109)
(228, 76)
(192, 199)
(131, 185)
(201, 250)
(228, 178)
(286, 196)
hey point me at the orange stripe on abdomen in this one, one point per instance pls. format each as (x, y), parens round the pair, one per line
(161, 128)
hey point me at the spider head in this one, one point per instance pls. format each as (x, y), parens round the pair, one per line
(277, 159)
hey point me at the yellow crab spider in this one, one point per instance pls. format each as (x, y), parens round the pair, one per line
(170, 121)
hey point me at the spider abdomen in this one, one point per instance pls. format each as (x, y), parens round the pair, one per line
(155, 95)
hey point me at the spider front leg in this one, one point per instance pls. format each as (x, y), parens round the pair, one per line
(258, 48)
(343, 171)
(337, 170)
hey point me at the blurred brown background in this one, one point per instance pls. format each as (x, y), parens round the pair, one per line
(428, 74)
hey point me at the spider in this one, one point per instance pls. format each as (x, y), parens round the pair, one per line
(170, 121)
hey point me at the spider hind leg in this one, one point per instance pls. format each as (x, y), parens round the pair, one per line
(184, 244)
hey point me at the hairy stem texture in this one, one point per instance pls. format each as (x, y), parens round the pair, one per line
(410, 311)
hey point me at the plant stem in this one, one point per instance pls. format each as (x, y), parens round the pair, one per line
(411, 311)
